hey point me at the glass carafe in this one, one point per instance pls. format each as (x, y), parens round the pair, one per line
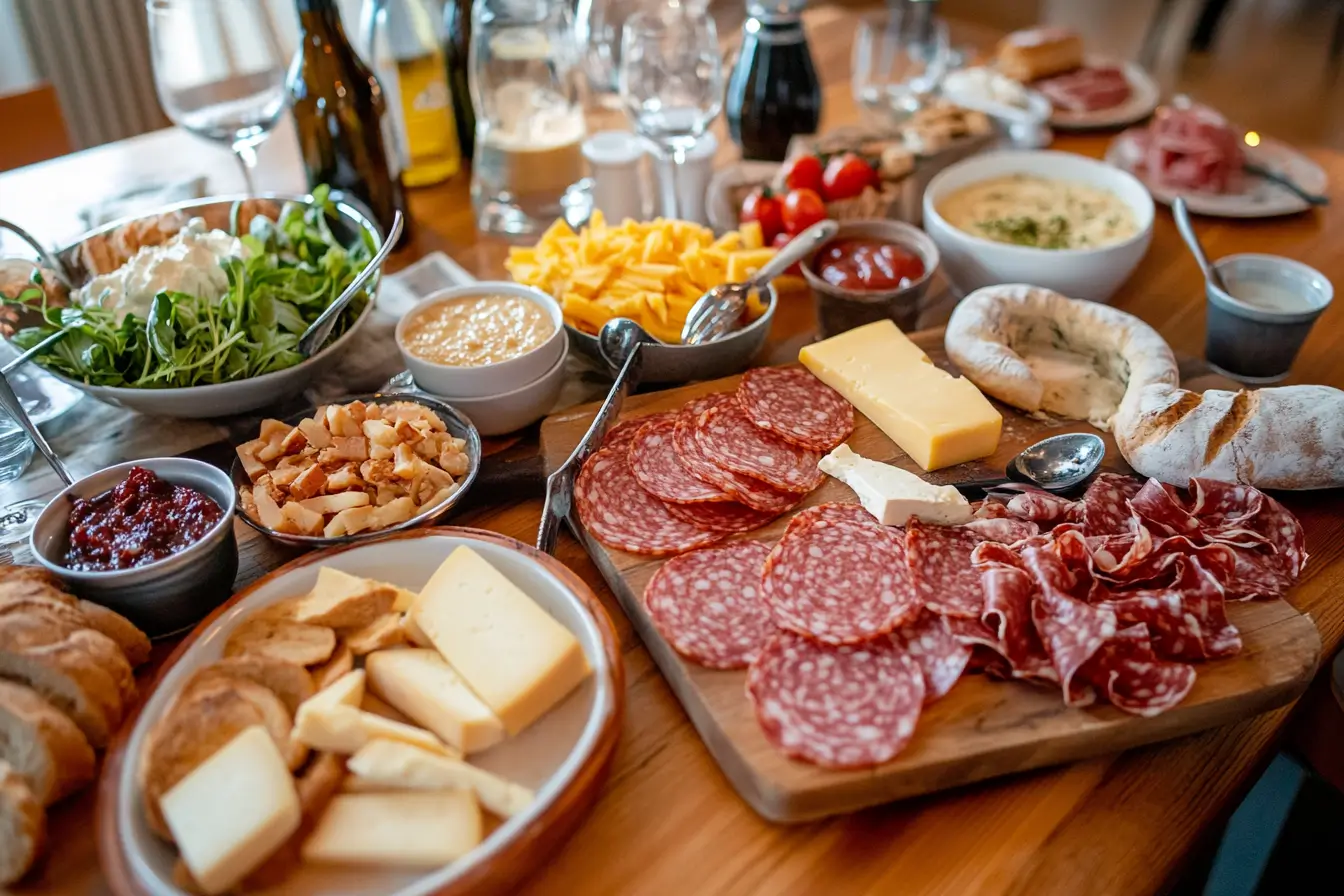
(529, 118)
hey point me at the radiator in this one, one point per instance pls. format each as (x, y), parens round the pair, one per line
(96, 54)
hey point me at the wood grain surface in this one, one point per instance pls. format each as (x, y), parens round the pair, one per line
(983, 728)
(668, 820)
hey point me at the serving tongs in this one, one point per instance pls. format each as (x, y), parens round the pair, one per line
(619, 343)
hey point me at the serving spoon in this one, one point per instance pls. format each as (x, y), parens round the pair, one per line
(1056, 464)
(1181, 213)
(716, 313)
(318, 331)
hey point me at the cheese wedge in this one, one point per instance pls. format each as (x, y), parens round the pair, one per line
(233, 810)
(936, 418)
(512, 654)
(348, 690)
(372, 704)
(416, 829)
(387, 765)
(893, 495)
(421, 684)
(344, 729)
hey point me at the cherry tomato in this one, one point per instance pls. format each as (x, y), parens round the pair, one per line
(802, 209)
(763, 208)
(847, 176)
(804, 173)
(780, 242)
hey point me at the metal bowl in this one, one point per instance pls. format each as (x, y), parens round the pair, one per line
(457, 423)
(224, 399)
(665, 363)
(165, 596)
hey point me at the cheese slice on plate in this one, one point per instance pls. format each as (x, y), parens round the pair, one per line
(424, 829)
(936, 418)
(421, 684)
(512, 654)
(387, 765)
(893, 495)
(233, 810)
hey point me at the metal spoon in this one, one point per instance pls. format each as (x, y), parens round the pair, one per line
(1181, 213)
(49, 261)
(717, 312)
(317, 332)
(11, 405)
(619, 342)
(1056, 464)
(1287, 183)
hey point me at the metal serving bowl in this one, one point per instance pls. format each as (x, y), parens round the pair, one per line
(457, 423)
(165, 596)
(238, 397)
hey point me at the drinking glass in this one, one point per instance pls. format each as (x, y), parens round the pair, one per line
(671, 79)
(900, 58)
(219, 71)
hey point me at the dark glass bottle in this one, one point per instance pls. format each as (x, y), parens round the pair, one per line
(773, 91)
(340, 112)
(456, 55)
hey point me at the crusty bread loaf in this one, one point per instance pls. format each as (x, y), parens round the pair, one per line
(42, 745)
(384, 632)
(27, 586)
(66, 674)
(37, 627)
(291, 683)
(291, 642)
(23, 826)
(1039, 53)
(341, 662)
(133, 642)
(341, 600)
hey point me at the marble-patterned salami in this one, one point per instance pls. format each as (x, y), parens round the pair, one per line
(721, 516)
(743, 489)
(653, 458)
(940, 568)
(708, 605)
(618, 512)
(1134, 679)
(796, 406)
(1106, 505)
(729, 439)
(941, 657)
(1071, 630)
(623, 433)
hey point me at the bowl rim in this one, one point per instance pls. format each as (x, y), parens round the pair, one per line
(498, 396)
(1244, 309)
(902, 232)
(763, 321)
(196, 548)
(238, 478)
(486, 287)
(1141, 235)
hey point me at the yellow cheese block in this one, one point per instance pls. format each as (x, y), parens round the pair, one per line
(936, 418)
(424, 829)
(517, 659)
(233, 810)
(387, 765)
(421, 684)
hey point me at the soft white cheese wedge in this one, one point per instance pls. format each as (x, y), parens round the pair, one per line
(893, 495)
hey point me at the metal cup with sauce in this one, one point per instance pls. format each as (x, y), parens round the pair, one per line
(840, 307)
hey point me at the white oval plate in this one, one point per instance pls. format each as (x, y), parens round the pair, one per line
(1259, 198)
(560, 756)
(1143, 99)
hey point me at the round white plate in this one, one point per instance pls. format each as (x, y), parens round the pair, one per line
(555, 756)
(1143, 99)
(1259, 198)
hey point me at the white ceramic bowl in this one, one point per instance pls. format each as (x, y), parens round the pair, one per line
(971, 262)
(495, 415)
(487, 380)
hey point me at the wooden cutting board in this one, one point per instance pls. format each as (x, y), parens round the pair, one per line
(983, 728)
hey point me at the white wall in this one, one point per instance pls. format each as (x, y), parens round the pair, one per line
(16, 66)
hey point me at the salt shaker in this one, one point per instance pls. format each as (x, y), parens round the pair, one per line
(615, 159)
(690, 180)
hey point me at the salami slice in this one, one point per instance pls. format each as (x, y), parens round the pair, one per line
(623, 433)
(1106, 505)
(991, 510)
(751, 492)
(1071, 630)
(1284, 533)
(708, 605)
(619, 513)
(940, 568)
(941, 657)
(834, 511)
(1134, 679)
(653, 458)
(839, 582)
(1009, 592)
(732, 441)
(1004, 531)
(838, 707)
(1039, 507)
(796, 406)
(721, 516)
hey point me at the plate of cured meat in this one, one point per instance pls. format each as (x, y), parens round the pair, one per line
(1192, 151)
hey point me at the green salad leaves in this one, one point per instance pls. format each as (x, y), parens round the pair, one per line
(295, 269)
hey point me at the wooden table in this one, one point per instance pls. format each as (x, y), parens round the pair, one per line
(668, 821)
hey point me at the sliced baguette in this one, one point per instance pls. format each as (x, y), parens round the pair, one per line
(21, 586)
(133, 642)
(42, 745)
(292, 642)
(341, 662)
(341, 600)
(291, 683)
(64, 673)
(39, 626)
(384, 632)
(23, 826)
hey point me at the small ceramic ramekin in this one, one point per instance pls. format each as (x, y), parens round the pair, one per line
(1255, 341)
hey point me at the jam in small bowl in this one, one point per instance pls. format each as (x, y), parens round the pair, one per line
(871, 270)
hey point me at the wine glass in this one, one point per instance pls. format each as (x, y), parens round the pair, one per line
(899, 59)
(219, 71)
(671, 80)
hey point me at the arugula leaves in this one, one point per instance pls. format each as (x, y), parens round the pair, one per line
(295, 269)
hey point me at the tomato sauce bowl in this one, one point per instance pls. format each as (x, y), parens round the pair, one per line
(868, 254)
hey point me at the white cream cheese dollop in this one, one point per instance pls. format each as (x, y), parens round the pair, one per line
(893, 495)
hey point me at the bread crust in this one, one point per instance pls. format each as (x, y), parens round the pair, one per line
(42, 744)
(62, 671)
(23, 826)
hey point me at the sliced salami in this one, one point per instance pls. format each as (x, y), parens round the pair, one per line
(623, 433)
(1008, 600)
(619, 513)
(834, 511)
(1133, 679)
(991, 510)
(940, 568)
(1071, 630)
(751, 492)
(653, 458)
(796, 406)
(1004, 531)
(838, 583)
(941, 657)
(721, 516)
(838, 707)
(708, 605)
(1106, 505)
(732, 441)
(1040, 507)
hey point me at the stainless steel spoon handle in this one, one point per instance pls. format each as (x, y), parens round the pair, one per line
(10, 402)
(1287, 183)
(1181, 213)
(320, 329)
(33, 352)
(49, 261)
(798, 248)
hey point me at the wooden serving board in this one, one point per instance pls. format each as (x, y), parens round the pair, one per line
(983, 728)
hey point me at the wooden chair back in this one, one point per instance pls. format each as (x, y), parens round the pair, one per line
(33, 126)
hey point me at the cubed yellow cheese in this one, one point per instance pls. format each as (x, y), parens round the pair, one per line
(233, 810)
(517, 659)
(423, 829)
(936, 418)
(745, 262)
(392, 766)
(421, 684)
